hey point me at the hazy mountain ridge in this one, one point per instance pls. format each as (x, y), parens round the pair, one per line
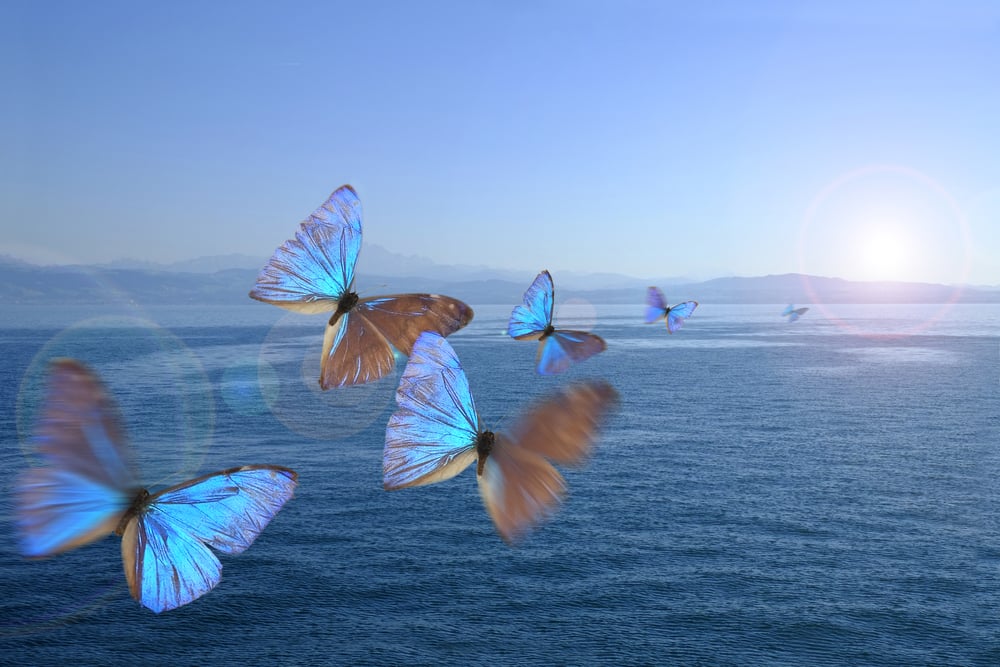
(385, 273)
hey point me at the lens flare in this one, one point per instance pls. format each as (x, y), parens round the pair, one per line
(885, 223)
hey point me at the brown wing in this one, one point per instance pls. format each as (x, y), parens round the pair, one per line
(354, 352)
(80, 428)
(401, 318)
(357, 347)
(519, 486)
(563, 428)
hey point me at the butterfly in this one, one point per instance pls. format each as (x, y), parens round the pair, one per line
(436, 433)
(557, 348)
(656, 308)
(86, 489)
(314, 273)
(793, 313)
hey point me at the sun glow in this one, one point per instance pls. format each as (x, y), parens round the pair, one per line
(885, 223)
(884, 253)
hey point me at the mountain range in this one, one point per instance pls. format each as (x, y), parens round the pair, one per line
(227, 280)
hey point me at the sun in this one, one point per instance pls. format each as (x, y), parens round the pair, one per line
(884, 252)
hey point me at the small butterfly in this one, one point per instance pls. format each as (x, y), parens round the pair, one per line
(436, 433)
(793, 313)
(87, 489)
(314, 273)
(558, 349)
(656, 308)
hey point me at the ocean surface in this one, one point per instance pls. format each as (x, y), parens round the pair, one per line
(824, 492)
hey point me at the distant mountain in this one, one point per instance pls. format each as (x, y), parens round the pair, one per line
(385, 273)
(377, 261)
(197, 265)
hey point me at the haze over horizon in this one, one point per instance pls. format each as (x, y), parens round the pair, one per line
(377, 263)
(855, 140)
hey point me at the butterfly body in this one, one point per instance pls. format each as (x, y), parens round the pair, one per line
(436, 433)
(484, 445)
(558, 349)
(344, 305)
(314, 273)
(86, 490)
(674, 316)
(136, 508)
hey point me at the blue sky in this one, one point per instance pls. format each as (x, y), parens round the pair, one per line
(854, 139)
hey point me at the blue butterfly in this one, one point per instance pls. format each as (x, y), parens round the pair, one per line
(87, 489)
(314, 273)
(436, 433)
(793, 313)
(558, 349)
(656, 308)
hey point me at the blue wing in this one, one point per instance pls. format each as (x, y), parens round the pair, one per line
(531, 318)
(656, 304)
(341, 209)
(677, 314)
(59, 510)
(165, 547)
(562, 348)
(82, 490)
(309, 274)
(432, 435)
(788, 309)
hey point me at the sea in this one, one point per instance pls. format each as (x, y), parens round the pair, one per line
(819, 492)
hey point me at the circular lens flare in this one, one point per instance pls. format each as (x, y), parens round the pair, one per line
(289, 376)
(166, 405)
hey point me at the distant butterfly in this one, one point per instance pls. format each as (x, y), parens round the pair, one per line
(436, 433)
(314, 273)
(656, 308)
(558, 349)
(87, 489)
(793, 313)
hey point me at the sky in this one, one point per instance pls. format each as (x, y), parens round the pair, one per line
(858, 139)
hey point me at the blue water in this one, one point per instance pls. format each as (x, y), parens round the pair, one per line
(819, 493)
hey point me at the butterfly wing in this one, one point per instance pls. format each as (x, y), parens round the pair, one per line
(354, 352)
(401, 318)
(432, 434)
(309, 274)
(341, 209)
(677, 315)
(656, 305)
(530, 319)
(788, 309)
(357, 347)
(165, 549)
(519, 485)
(165, 568)
(59, 510)
(80, 493)
(561, 349)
